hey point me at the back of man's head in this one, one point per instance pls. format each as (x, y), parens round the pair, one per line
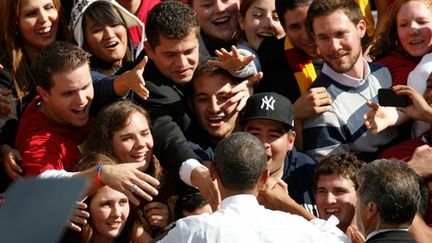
(327, 7)
(346, 165)
(57, 57)
(171, 19)
(240, 161)
(393, 187)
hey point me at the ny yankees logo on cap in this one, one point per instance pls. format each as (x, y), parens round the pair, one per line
(267, 103)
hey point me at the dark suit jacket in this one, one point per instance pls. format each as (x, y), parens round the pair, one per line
(170, 117)
(395, 236)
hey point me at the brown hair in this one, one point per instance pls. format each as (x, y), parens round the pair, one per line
(346, 165)
(12, 46)
(387, 42)
(326, 7)
(57, 57)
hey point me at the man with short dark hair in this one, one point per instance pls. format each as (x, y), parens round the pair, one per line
(270, 117)
(172, 47)
(57, 121)
(337, 27)
(388, 199)
(240, 170)
(335, 186)
(209, 94)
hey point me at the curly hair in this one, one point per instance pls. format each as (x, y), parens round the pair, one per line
(171, 19)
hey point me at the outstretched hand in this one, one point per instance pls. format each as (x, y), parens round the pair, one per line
(200, 178)
(242, 91)
(379, 118)
(123, 177)
(134, 80)
(232, 60)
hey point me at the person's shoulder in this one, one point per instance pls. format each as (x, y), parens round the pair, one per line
(300, 158)
(195, 223)
(375, 66)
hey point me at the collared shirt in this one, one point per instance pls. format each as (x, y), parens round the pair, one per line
(241, 219)
(345, 79)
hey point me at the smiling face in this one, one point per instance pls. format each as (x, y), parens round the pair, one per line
(211, 93)
(296, 31)
(176, 59)
(68, 100)
(414, 27)
(217, 18)
(277, 141)
(134, 142)
(261, 20)
(338, 40)
(336, 195)
(107, 42)
(109, 210)
(37, 23)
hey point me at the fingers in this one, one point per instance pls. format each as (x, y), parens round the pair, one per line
(142, 92)
(9, 161)
(157, 214)
(214, 196)
(248, 59)
(149, 179)
(254, 79)
(142, 64)
(372, 105)
(79, 217)
(73, 226)
(140, 88)
(146, 186)
(214, 62)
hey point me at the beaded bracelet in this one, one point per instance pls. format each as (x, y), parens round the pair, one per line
(98, 173)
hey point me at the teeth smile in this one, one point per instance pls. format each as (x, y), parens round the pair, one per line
(265, 34)
(44, 30)
(221, 20)
(215, 119)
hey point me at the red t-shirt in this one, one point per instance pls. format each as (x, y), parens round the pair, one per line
(46, 144)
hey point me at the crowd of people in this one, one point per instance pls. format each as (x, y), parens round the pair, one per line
(223, 120)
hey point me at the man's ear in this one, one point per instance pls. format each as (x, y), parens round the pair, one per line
(263, 179)
(148, 49)
(213, 172)
(361, 28)
(241, 21)
(291, 139)
(42, 92)
(372, 210)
